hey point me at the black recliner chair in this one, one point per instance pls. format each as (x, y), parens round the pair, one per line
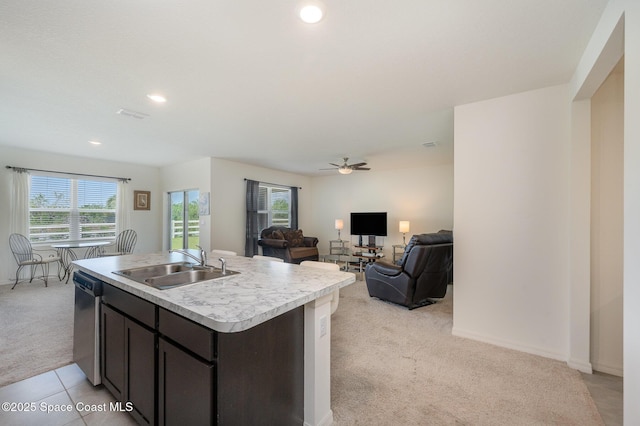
(421, 274)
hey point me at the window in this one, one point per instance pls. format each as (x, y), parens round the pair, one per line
(274, 206)
(183, 208)
(65, 209)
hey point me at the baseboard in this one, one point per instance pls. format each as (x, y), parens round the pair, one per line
(608, 369)
(580, 365)
(327, 420)
(508, 344)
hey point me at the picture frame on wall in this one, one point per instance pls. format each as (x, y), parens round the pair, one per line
(204, 208)
(142, 200)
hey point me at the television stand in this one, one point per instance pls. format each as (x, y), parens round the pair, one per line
(365, 254)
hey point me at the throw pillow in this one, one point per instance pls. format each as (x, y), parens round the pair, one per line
(294, 237)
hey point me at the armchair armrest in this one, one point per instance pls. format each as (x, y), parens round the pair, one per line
(310, 241)
(273, 243)
(385, 268)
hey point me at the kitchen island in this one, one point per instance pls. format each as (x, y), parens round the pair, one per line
(248, 348)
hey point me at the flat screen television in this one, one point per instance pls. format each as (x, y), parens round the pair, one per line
(369, 224)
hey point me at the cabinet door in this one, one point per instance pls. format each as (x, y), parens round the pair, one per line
(140, 371)
(186, 392)
(112, 367)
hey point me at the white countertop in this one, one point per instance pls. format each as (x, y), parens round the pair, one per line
(262, 290)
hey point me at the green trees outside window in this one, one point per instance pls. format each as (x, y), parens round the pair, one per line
(65, 209)
(179, 216)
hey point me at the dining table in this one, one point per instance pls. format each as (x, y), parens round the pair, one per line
(67, 255)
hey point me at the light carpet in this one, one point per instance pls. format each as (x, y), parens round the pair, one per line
(392, 366)
(36, 329)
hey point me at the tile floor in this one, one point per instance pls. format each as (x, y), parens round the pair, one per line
(69, 396)
(67, 387)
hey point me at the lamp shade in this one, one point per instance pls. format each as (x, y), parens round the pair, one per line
(339, 224)
(404, 226)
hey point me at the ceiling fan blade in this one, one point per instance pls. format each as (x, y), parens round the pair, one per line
(333, 164)
(332, 168)
(360, 168)
(357, 164)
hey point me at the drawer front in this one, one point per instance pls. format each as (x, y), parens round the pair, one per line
(133, 306)
(194, 337)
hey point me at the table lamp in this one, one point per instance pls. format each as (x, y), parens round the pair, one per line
(404, 228)
(339, 226)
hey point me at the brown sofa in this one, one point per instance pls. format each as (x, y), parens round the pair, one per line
(288, 244)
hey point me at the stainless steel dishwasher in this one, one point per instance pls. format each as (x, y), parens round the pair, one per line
(86, 325)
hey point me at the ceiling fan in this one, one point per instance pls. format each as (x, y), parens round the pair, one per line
(346, 169)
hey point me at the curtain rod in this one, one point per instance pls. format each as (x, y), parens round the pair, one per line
(269, 183)
(68, 173)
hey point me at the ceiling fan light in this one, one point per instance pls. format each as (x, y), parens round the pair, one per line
(345, 170)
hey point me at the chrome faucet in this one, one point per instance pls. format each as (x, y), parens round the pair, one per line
(203, 255)
(223, 265)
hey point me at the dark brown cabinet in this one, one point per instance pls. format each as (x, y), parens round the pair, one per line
(128, 358)
(140, 370)
(112, 324)
(178, 372)
(252, 377)
(261, 373)
(186, 388)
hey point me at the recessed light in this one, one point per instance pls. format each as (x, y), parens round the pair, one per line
(95, 143)
(157, 98)
(311, 12)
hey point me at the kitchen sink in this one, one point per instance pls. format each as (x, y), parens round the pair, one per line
(186, 277)
(145, 272)
(171, 275)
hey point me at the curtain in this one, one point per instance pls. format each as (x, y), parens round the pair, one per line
(294, 207)
(19, 222)
(122, 210)
(252, 231)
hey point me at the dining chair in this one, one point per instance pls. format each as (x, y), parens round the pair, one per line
(329, 267)
(124, 244)
(24, 254)
(67, 257)
(94, 251)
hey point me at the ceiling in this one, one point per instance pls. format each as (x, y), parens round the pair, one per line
(246, 80)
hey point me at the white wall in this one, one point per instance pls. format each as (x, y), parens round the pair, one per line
(423, 196)
(146, 223)
(631, 213)
(511, 209)
(224, 228)
(607, 144)
(228, 203)
(185, 176)
(617, 33)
